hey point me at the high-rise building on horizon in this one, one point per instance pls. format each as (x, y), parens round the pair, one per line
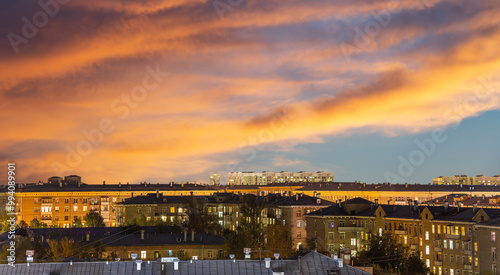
(466, 180)
(268, 177)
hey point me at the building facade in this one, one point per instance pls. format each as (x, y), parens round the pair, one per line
(450, 240)
(59, 201)
(266, 177)
(466, 180)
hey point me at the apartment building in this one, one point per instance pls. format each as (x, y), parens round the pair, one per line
(225, 207)
(291, 210)
(464, 179)
(148, 242)
(448, 239)
(398, 194)
(59, 201)
(267, 177)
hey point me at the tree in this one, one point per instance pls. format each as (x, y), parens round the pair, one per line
(251, 231)
(385, 252)
(252, 217)
(23, 243)
(63, 248)
(279, 240)
(140, 220)
(22, 224)
(311, 243)
(4, 220)
(35, 223)
(94, 219)
(199, 219)
(77, 222)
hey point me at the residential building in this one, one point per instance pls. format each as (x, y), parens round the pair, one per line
(447, 238)
(266, 177)
(59, 201)
(225, 207)
(466, 180)
(291, 211)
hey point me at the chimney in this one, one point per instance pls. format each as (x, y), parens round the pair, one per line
(142, 234)
(88, 237)
(415, 205)
(296, 197)
(170, 184)
(459, 206)
(132, 195)
(157, 193)
(315, 194)
(120, 184)
(60, 183)
(318, 201)
(182, 184)
(103, 182)
(192, 235)
(185, 235)
(445, 206)
(474, 207)
(483, 197)
(376, 202)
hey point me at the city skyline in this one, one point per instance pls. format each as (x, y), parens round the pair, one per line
(160, 91)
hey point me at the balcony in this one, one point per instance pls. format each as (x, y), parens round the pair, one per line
(414, 247)
(467, 252)
(468, 267)
(438, 249)
(351, 229)
(401, 232)
(453, 237)
(438, 263)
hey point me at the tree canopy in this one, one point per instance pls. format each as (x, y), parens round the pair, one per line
(93, 219)
(390, 255)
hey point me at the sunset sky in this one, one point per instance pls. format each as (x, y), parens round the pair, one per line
(175, 90)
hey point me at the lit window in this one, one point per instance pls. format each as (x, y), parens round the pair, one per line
(353, 241)
(143, 254)
(298, 223)
(427, 250)
(451, 244)
(75, 208)
(428, 262)
(426, 235)
(493, 236)
(85, 208)
(330, 224)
